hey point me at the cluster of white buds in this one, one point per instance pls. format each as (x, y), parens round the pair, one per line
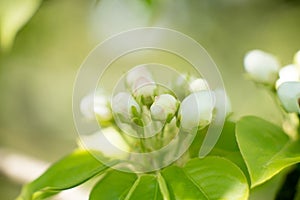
(265, 68)
(146, 109)
(195, 110)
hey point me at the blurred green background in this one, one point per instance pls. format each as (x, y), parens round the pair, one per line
(43, 44)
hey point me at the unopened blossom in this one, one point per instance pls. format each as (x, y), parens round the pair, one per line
(140, 82)
(96, 105)
(289, 95)
(136, 73)
(288, 73)
(143, 87)
(125, 105)
(198, 85)
(164, 105)
(261, 66)
(196, 110)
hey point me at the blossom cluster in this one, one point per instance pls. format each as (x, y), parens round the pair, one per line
(188, 105)
(265, 68)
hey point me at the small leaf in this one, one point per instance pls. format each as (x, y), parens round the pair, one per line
(208, 178)
(180, 185)
(120, 185)
(14, 14)
(114, 185)
(134, 111)
(69, 172)
(148, 188)
(265, 148)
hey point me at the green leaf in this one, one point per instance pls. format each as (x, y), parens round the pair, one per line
(69, 172)
(14, 14)
(180, 185)
(147, 188)
(227, 147)
(114, 185)
(210, 178)
(121, 185)
(268, 189)
(265, 148)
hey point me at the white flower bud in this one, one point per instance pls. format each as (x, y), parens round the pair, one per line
(288, 73)
(198, 85)
(99, 105)
(124, 104)
(289, 95)
(297, 58)
(261, 66)
(143, 87)
(136, 73)
(196, 110)
(164, 105)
